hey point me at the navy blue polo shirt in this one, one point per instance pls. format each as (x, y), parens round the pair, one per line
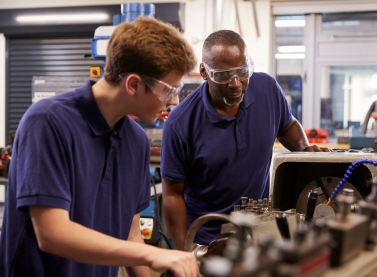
(65, 155)
(220, 159)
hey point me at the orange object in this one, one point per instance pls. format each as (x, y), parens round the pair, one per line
(95, 72)
(316, 135)
(163, 116)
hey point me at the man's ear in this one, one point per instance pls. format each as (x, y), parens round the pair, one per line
(132, 84)
(202, 71)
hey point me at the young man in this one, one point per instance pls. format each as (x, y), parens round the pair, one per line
(217, 144)
(79, 176)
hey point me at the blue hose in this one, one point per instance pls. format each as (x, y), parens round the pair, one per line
(347, 175)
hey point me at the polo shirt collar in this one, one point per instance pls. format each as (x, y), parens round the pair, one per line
(92, 115)
(213, 115)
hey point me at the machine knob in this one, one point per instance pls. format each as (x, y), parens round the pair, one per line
(348, 192)
(282, 223)
(310, 205)
(244, 201)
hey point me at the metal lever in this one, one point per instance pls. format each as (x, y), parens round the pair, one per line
(168, 274)
(282, 223)
(310, 205)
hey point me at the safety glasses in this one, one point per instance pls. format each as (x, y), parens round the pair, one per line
(163, 91)
(225, 76)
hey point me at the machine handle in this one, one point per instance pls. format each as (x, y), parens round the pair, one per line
(194, 227)
(282, 223)
(310, 205)
(167, 274)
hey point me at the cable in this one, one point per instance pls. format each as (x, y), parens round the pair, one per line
(166, 239)
(157, 206)
(347, 175)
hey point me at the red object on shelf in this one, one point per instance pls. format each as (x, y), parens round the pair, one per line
(316, 135)
(5, 157)
(163, 116)
(155, 148)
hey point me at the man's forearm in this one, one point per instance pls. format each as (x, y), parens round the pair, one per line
(137, 271)
(176, 219)
(294, 137)
(135, 236)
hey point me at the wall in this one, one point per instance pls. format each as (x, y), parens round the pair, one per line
(24, 4)
(199, 23)
(198, 27)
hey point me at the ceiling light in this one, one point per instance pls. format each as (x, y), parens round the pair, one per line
(292, 49)
(84, 17)
(290, 23)
(289, 56)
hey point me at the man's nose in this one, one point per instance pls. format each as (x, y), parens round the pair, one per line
(235, 81)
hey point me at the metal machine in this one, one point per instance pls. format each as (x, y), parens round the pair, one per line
(320, 221)
(295, 174)
(129, 12)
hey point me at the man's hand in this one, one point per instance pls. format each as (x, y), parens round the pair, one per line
(181, 263)
(57, 234)
(294, 139)
(315, 148)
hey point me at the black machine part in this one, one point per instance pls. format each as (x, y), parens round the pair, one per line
(282, 223)
(310, 205)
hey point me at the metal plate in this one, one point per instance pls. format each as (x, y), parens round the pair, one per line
(328, 184)
(323, 212)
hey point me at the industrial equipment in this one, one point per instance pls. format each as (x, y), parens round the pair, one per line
(129, 12)
(320, 221)
(295, 174)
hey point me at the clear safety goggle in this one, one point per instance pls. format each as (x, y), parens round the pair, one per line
(163, 91)
(225, 76)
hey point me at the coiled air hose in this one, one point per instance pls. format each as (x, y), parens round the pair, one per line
(347, 175)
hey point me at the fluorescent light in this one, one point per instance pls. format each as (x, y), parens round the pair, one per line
(342, 23)
(83, 17)
(351, 23)
(291, 49)
(289, 56)
(290, 23)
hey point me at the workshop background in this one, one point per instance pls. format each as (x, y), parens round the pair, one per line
(322, 52)
(329, 76)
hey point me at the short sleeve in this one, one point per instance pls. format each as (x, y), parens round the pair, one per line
(173, 154)
(145, 192)
(41, 164)
(286, 112)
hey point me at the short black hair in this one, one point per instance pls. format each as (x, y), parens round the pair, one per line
(221, 37)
